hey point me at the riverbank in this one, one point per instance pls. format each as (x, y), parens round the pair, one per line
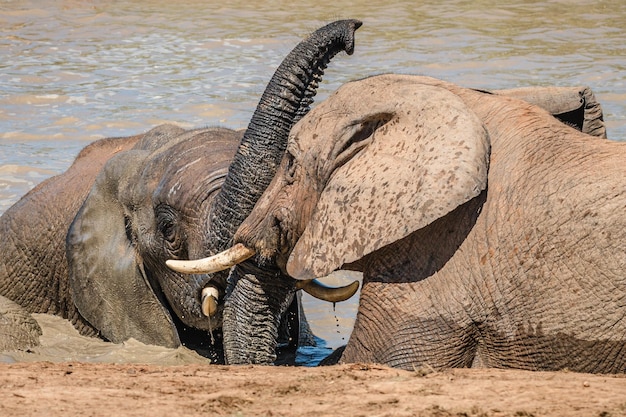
(89, 389)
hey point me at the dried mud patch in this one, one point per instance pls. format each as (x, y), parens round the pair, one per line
(60, 389)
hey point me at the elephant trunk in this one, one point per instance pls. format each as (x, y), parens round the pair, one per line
(286, 99)
(255, 309)
(256, 300)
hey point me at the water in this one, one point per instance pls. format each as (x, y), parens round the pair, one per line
(75, 71)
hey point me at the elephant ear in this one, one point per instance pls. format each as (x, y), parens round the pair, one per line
(109, 285)
(428, 153)
(575, 106)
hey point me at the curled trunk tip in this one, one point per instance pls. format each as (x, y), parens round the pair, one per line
(285, 100)
(349, 26)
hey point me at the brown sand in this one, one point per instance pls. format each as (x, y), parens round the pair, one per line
(89, 389)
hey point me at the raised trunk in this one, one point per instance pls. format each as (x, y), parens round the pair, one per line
(285, 100)
(256, 298)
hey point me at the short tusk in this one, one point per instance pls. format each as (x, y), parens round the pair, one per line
(209, 301)
(221, 261)
(333, 295)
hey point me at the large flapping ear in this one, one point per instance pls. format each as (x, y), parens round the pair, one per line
(575, 106)
(109, 285)
(429, 156)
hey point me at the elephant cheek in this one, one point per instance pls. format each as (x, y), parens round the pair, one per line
(183, 295)
(292, 219)
(307, 201)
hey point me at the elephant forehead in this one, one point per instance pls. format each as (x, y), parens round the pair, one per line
(190, 170)
(117, 179)
(402, 95)
(430, 158)
(386, 90)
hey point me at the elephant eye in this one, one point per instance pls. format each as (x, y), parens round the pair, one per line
(167, 226)
(290, 169)
(128, 228)
(168, 230)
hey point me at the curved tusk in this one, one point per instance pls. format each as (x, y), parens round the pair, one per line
(221, 261)
(209, 301)
(333, 295)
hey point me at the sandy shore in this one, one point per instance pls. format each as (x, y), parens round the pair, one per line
(86, 389)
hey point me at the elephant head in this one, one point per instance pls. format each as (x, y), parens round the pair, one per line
(395, 163)
(475, 217)
(183, 194)
(145, 206)
(344, 181)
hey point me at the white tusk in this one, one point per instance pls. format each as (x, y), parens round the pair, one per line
(333, 295)
(221, 261)
(209, 301)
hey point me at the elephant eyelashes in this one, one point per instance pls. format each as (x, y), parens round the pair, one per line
(167, 230)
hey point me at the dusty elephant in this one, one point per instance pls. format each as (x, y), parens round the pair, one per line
(98, 235)
(488, 232)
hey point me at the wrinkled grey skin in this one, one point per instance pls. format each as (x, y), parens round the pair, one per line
(127, 205)
(488, 232)
(33, 268)
(18, 329)
(146, 206)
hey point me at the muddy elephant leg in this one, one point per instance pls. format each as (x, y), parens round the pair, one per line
(18, 329)
(397, 334)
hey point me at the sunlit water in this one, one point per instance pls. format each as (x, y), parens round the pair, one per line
(75, 71)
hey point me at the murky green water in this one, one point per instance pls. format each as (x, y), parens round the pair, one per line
(75, 71)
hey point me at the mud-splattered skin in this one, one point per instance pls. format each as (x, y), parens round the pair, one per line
(489, 233)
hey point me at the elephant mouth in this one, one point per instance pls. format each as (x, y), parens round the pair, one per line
(205, 336)
(239, 253)
(208, 344)
(209, 298)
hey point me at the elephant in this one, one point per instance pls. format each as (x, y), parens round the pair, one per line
(489, 233)
(90, 244)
